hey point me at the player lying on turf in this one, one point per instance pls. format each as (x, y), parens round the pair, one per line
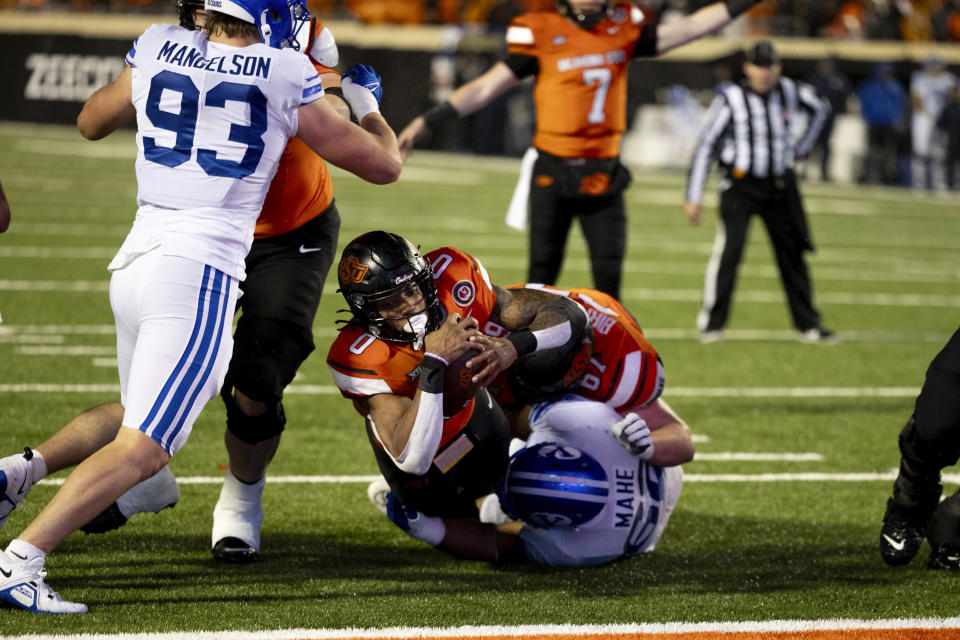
(413, 316)
(587, 487)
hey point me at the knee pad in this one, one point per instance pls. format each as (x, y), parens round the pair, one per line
(266, 356)
(253, 429)
(923, 453)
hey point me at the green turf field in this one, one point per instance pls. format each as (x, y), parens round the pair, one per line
(773, 545)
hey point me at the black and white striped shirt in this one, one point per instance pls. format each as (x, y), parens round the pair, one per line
(752, 134)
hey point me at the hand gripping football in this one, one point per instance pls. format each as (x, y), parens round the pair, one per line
(458, 385)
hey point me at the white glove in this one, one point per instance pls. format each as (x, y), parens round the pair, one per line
(361, 100)
(634, 435)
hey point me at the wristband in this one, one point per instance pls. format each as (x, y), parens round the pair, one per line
(736, 7)
(428, 354)
(439, 114)
(431, 374)
(523, 341)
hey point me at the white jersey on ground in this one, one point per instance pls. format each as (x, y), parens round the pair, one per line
(212, 122)
(641, 498)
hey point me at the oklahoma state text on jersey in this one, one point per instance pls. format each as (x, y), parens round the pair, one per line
(581, 89)
(625, 370)
(363, 365)
(300, 191)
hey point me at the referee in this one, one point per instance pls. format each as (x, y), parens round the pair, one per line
(749, 129)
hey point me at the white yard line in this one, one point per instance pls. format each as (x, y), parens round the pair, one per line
(541, 630)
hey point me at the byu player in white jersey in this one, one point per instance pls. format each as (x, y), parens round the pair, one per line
(930, 89)
(213, 115)
(587, 487)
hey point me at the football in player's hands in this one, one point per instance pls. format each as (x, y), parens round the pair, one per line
(458, 385)
(365, 75)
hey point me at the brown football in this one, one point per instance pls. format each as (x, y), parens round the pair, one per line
(458, 386)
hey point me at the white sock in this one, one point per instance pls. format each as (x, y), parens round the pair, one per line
(38, 466)
(25, 551)
(238, 512)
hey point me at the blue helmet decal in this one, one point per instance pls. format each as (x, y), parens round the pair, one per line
(554, 485)
(278, 21)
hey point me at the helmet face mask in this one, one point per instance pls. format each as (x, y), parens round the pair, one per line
(378, 266)
(277, 21)
(554, 486)
(584, 20)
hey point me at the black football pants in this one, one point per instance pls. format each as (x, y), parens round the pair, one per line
(931, 439)
(603, 220)
(738, 204)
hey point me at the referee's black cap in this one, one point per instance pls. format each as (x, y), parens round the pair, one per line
(762, 54)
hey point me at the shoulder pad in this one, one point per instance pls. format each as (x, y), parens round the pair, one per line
(324, 49)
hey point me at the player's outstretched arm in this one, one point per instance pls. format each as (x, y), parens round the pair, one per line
(707, 20)
(369, 151)
(109, 108)
(468, 98)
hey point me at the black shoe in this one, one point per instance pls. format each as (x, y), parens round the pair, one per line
(908, 515)
(944, 556)
(234, 551)
(944, 535)
(108, 520)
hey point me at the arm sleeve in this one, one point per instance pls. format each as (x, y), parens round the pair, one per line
(647, 42)
(418, 454)
(819, 109)
(522, 65)
(717, 119)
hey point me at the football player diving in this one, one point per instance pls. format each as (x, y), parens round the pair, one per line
(414, 314)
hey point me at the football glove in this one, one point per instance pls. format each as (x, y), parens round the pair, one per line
(428, 529)
(633, 434)
(365, 76)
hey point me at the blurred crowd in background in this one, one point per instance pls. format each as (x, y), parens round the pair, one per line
(907, 20)
(908, 109)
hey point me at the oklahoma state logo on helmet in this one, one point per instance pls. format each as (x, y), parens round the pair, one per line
(352, 270)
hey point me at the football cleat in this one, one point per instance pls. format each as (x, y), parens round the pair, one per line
(22, 585)
(16, 480)
(377, 492)
(234, 551)
(907, 516)
(944, 535)
(153, 495)
(711, 336)
(236, 521)
(944, 556)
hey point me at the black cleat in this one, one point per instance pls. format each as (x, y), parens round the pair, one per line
(108, 520)
(944, 535)
(234, 551)
(944, 556)
(907, 517)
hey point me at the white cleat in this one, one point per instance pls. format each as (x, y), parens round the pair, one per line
(377, 492)
(153, 495)
(16, 480)
(22, 585)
